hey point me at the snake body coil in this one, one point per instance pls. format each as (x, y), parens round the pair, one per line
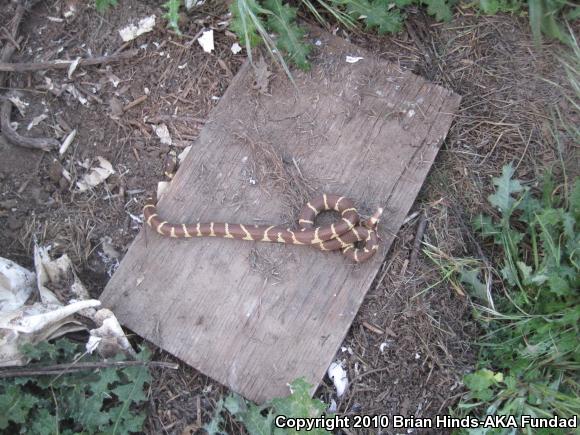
(342, 235)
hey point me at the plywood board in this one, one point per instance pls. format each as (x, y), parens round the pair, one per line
(257, 316)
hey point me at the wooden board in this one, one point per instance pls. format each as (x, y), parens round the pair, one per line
(366, 130)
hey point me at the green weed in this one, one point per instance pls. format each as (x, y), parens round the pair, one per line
(259, 420)
(530, 351)
(255, 20)
(545, 16)
(102, 401)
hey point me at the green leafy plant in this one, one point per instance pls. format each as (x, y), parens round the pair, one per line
(172, 14)
(101, 401)
(545, 16)
(530, 352)
(259, 420)
(252, 20)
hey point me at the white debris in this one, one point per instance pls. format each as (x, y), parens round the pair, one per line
(73, 66)
(206, 41)
(16, 285)
(36, 323)
(184, 153)
(112, 78)
(353, 59)
(338, 376)
(96, 175)
(236, 48)
(193, 3)
(66, 142)
(36, 120)
(66, 175)
(49, 271)
(162, 133)
(109, 335)
(92, 344)
(131, 31)
(383, 346)
(70, 88)
(20, 105)
(108, 248)
(71, 11)
(162, 187)
(318, 43)
(52, 315)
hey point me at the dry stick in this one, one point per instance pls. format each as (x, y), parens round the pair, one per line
(59, 369)
(64, 64)
(418, 238)
(134, 103)
(11, 135)
(42, 143)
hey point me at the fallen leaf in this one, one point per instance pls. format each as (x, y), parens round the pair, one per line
(163, 134)
(76, 94)
(36, 120)
(96, 176)
(20, 105)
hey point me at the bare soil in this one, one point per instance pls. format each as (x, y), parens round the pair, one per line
(411, 342)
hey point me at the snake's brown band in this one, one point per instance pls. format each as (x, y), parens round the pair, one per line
(342, 235)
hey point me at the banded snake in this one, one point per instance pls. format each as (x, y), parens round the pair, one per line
(343, 235)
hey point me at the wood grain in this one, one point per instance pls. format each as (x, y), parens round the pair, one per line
(257, 316)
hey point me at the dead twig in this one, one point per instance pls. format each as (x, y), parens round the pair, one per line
(42, 143)
(60, 369)
(418, 238)
(134, 103)
(64, 64)
(373, 328)
(5, 110)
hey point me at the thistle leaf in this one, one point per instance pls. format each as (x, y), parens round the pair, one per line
(172, 14)
(244, 14)
(505, 187)
(282, 20)
(377, 14)
(440, 9)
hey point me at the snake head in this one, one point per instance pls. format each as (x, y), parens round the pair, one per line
(372, 222)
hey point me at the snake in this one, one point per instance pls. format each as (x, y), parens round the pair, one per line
(357, 239)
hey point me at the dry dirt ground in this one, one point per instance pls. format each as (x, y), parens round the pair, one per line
(411, 343)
